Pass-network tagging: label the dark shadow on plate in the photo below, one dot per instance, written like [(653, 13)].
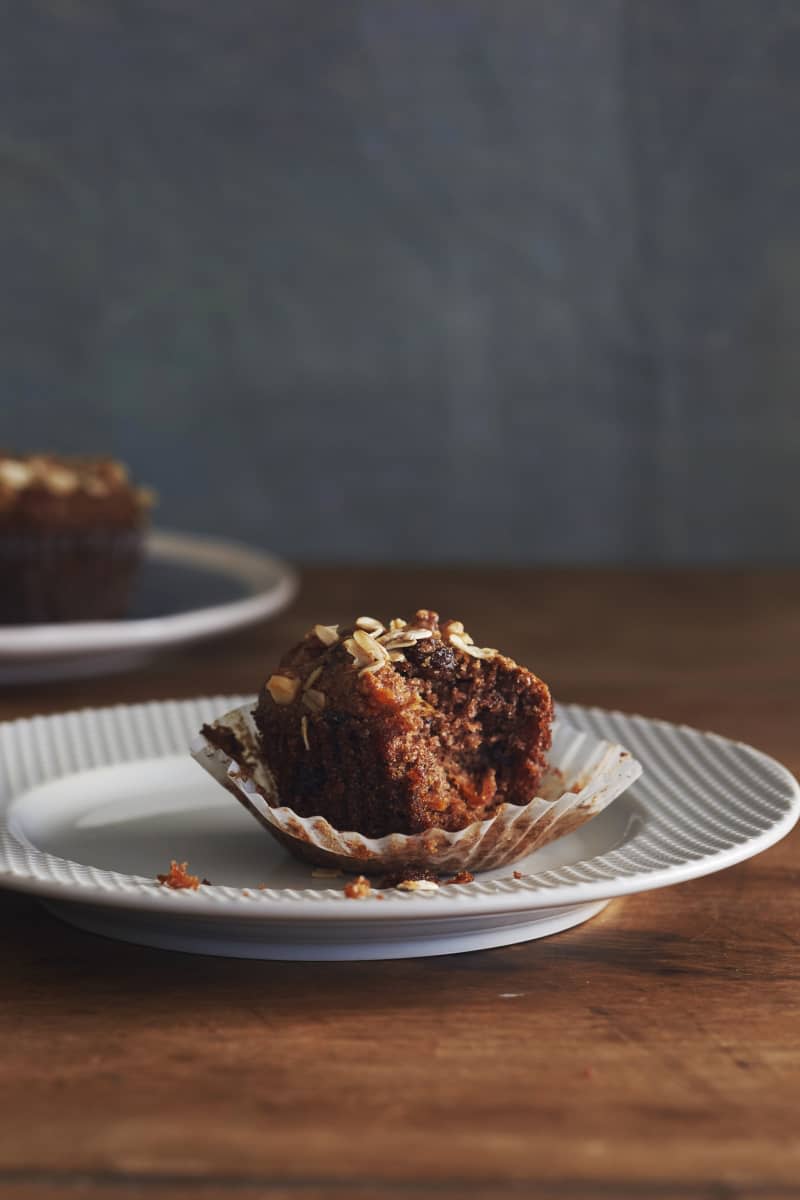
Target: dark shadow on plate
[(164, 588)]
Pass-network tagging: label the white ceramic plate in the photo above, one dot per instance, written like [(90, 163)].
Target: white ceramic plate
[(94, 804), (189, 588)]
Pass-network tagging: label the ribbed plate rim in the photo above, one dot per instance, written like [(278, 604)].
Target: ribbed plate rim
[(270, 583), (46, 875)]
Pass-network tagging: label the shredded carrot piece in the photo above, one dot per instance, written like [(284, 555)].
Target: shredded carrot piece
[(178, 877)]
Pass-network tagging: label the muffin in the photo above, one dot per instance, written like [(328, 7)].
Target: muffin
[(406, 748), (402, 729), (71, 536)]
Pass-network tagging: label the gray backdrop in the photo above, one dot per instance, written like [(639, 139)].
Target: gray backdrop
[(414, 279)]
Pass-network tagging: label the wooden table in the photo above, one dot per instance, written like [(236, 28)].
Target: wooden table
[(654, 1052)]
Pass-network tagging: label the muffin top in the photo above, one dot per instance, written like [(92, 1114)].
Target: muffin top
[(401, 727), (50, 492)]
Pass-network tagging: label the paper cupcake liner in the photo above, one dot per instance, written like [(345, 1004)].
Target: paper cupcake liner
[(69, 575), (584, 775)]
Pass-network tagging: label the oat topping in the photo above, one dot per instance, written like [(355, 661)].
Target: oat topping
[(482, 651), (401, 643), (369, 645), (312, 679), (372, 667), (147, 496), (370, 624), (362, 660), (314, 700), (460, 642), (15, 475), (62, 482), (282, 688), (96, 488), (457, 628), (95, 477), (372, 646), (368, 653), (327, 634), (404, 638)]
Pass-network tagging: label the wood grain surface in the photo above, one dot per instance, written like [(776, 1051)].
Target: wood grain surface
[(654, 1052)]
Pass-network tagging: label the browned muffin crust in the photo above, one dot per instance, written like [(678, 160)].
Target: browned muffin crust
[(61, 494), (402, 728)]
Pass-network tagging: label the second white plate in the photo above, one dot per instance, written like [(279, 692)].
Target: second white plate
[(190, 587)]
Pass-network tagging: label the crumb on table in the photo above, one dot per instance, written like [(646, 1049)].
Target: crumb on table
[(178, 877)]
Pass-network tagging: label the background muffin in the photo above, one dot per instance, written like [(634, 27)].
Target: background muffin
[(71, 533)]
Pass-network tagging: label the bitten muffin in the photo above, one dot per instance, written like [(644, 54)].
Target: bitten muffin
[(71, 533), (401, 728)]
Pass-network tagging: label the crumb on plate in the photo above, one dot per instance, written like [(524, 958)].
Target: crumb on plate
[(178, 877), (418, 885), (358, 888), (407, 873)]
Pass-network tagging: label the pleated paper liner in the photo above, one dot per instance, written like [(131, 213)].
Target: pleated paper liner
[(584, 775), (67, 576)]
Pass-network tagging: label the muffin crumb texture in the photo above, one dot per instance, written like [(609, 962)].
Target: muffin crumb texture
[(402, 726)]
